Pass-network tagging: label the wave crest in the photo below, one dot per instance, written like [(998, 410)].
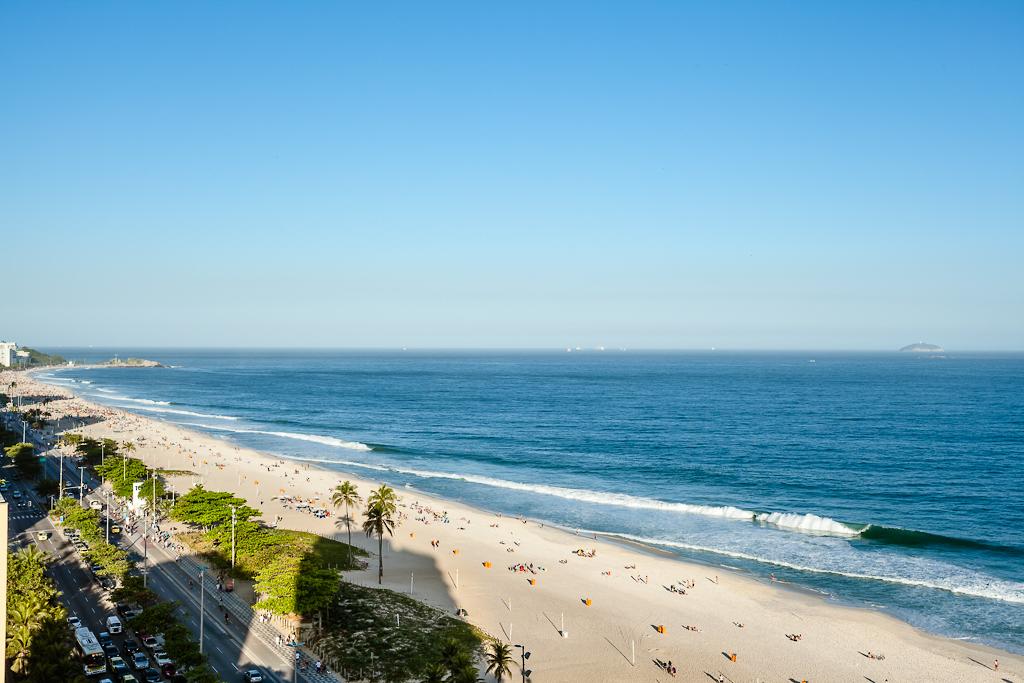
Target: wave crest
[(314, 438)]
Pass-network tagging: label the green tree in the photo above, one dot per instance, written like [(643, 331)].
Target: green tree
[(295, 585), (207, 509), (24, 457), (47, 487), (346, 494), (434, 673), (381, 507), (499, 659)]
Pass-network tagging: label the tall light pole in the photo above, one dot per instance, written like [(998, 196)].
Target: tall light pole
[(232, 536), (108, 517), (154, 497), (526, 655), (81, 485), (202, 609), (60, 474)]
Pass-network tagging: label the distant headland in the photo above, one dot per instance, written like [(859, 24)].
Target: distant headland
[(132, 363), (921, 347)]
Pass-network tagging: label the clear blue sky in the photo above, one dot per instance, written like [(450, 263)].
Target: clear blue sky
[(668, 175)]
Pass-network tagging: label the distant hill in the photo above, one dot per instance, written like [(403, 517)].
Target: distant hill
[(39, 358), (921, 347)]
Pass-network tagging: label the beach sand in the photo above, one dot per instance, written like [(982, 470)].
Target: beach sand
[(626, 604)]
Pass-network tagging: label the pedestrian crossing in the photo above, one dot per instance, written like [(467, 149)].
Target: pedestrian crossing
[(25, 515)]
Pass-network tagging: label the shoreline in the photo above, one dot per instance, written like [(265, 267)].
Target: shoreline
[(933, 657)]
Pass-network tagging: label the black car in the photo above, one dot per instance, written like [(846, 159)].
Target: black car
[(110, 650), (150, 675), (131, 647)]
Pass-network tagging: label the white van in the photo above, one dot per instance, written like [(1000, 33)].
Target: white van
[(114, 625)]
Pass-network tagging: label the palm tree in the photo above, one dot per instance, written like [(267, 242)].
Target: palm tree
[(27, 614), (30, 554), (499, 659), (126, 448), (381, 507), (435, 673), (346, 494), (19, 645), (465, 674)]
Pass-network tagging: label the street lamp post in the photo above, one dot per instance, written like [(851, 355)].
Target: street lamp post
[(202, 610), (108, 517), (525, 655), (232, 536), (81, 485)]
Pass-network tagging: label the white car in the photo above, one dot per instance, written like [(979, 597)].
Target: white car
[(95, 505), (74, 622), (162, 659)]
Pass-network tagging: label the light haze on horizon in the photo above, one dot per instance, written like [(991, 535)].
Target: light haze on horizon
[(643, 175)]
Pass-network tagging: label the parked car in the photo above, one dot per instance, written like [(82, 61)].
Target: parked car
[(118, 666), (139, 660), (153, 642)]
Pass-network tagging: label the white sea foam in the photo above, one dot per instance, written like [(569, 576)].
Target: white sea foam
[(314, 438), (979, 586), (186, 412), (105, 391), (804, 523), (145, 401), (807, 523)]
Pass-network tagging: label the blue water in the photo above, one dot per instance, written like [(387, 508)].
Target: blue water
[(885, 480)]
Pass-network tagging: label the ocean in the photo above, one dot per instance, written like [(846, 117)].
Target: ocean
[(889, 481)]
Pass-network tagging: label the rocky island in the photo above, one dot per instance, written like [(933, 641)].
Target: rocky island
[(921, 347)]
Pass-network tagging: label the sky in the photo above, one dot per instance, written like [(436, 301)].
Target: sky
[(782, 175)]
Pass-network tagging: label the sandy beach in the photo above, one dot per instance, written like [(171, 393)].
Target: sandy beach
[(612, 598)]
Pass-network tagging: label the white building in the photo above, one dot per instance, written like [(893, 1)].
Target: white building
[(8, 354)]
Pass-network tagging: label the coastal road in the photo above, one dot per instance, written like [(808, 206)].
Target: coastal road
[(230, 647)]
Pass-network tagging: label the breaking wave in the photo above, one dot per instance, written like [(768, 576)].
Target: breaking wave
[(175, 411), (984, 587), (314, 438)]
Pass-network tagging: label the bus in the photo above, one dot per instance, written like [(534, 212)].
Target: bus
[(94, 661)]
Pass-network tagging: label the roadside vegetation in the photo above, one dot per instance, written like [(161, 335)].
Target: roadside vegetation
[(378, 634), (38, 647), (23, 455), (121, 472), (294, 572), (112, 560)]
